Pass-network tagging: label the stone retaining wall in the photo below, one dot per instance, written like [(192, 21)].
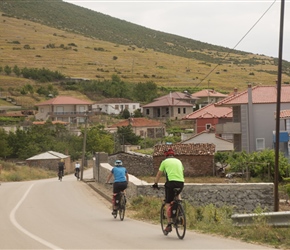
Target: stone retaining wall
[(242, 197)]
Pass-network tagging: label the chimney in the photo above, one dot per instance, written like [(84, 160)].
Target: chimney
[(235, 91)]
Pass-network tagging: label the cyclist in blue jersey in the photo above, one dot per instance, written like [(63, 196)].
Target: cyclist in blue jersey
[(121, 179), (174, 171)]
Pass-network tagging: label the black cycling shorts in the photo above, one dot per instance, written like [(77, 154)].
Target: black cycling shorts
[(169, 192), (119, 186)]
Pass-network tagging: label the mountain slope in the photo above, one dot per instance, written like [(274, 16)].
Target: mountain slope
[(82, 43)]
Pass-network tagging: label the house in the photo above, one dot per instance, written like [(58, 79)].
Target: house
[(206, 118), (210, 137), (167, 108), (185, 96), (114, 106), (49, 160), (142, 127), (254, 122), (64, 108), (207, 96)]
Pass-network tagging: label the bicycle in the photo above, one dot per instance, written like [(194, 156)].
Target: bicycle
[(119, 200), (177, 215), (60, 175)]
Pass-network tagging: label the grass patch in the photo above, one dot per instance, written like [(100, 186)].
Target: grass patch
[(11, 172), (212, 220)]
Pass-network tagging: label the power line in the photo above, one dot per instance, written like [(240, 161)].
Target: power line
[(238, 42)]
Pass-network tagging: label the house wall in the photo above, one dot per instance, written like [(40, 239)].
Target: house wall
[(169, 111), (51, 164), (110, 108), (201, 123), (220, 145), (264, 124)]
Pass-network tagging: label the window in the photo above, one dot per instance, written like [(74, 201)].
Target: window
[(260, 144), (126, 106), (207, 126), (116, 107), (184, 110), (41, 110), (178, 110), (134, 107), (147, 111)]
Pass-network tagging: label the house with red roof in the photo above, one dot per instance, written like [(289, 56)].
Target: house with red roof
[(63, 108), (207, 96), (206, 118), (142, 127), (254, 123), (168, 107)]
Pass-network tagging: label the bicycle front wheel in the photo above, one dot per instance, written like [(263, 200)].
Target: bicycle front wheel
[(163, 218), (122, 207), (180, 222)]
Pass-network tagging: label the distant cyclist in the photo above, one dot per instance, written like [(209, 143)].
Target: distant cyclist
[(61, 167), (121, 179), (174, 171), (77, 170)]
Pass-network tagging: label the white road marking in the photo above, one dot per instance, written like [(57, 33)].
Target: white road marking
[(16, 224)]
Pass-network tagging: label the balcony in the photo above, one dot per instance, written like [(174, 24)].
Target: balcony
[(68, 114), (228, 128)]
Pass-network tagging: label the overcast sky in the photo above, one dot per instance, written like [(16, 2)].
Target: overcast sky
[(251, 26)]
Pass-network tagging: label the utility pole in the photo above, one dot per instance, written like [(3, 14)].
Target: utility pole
[(276, 176), (84, 144)]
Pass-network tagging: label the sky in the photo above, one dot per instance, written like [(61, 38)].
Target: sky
[(246, 25)]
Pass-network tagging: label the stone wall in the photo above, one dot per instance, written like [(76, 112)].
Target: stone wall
[(136, 164), (242, 197), (194, 165)]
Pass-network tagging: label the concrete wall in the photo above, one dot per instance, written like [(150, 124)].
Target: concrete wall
[(242, 197)]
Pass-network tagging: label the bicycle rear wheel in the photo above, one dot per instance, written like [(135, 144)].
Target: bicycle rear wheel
[(163, 219), (180, 222), (122, 207)]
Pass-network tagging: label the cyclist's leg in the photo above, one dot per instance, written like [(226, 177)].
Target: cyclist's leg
[(169, 197)]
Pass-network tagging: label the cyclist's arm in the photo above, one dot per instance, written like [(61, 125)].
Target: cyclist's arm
[(127, 177), (158, 175), (109, 177)]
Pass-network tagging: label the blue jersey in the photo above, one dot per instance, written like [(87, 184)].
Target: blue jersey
[(119, 174)]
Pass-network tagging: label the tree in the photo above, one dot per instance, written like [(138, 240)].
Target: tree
[(127, 136), (7, 70), (99, 140), (16, 70), (6, 150), (125, 114), (145, 92)]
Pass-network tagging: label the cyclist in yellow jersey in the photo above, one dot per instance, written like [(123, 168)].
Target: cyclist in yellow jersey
[(174, 171)]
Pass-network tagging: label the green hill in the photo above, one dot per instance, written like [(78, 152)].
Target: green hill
[(86, 44)]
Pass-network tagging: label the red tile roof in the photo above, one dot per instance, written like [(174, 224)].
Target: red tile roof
[(137, 122), (208, 92), (284, 114), (166, 102), (64, 100), (210, 111), (260, 94)]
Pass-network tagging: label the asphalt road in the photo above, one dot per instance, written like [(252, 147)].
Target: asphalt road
[(49, 214)]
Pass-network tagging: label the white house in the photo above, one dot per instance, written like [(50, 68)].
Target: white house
[(114, 106)]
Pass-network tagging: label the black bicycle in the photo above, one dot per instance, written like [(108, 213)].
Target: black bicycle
[(120, 204), (177, 216)]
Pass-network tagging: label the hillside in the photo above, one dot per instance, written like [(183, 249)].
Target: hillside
[(47, 34)]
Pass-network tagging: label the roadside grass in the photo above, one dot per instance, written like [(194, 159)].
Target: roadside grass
[(216, 221), (11, 172)]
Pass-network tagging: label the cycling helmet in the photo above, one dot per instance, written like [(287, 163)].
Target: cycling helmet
[(118, 163), (169, 152)]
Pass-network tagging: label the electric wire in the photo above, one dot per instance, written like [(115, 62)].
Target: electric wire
[(238, 41)]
